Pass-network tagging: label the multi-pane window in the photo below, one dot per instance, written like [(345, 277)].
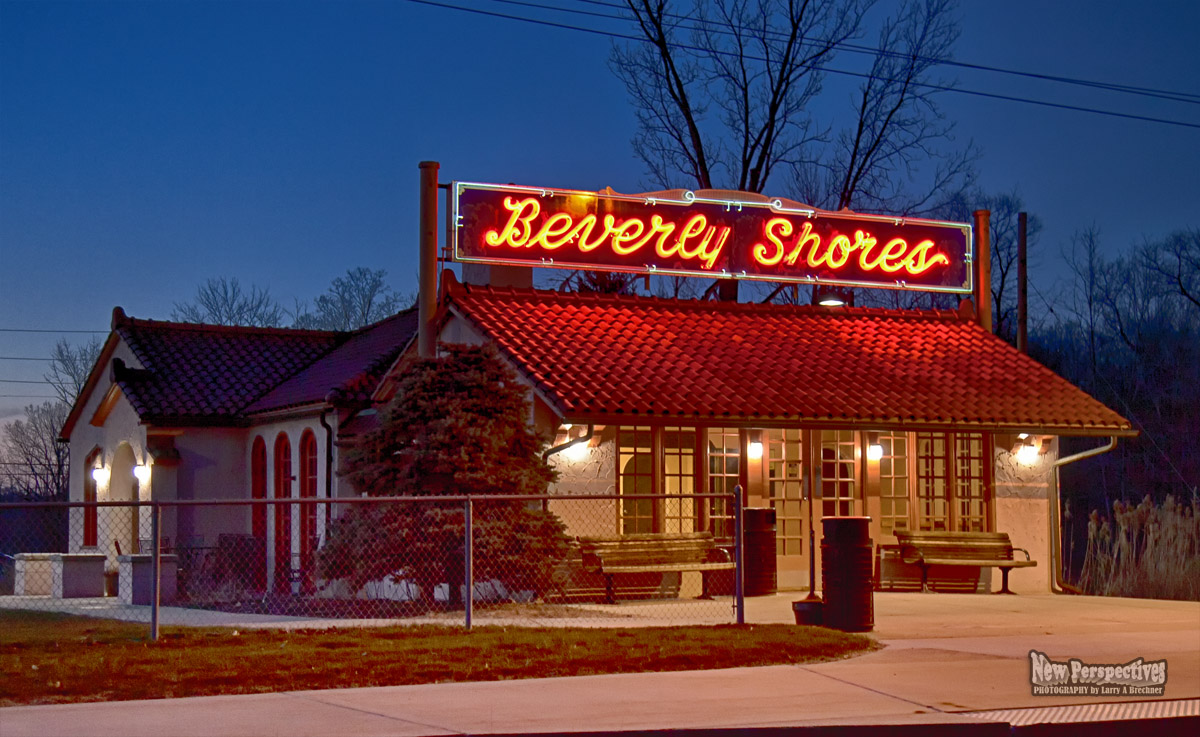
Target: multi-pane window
[(724, 474), (785, 488), (635, 459), (679, 477), (952, 481), (933, 483), (894, 483), (970, 482), (839, 473)]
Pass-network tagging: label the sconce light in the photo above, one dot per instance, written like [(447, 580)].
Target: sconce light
[(874, 447), (576, 452), (142, 472), (1027, 452), (754, 449), (100, 475)]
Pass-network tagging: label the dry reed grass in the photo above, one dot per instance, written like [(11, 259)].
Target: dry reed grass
[(1145, 551)]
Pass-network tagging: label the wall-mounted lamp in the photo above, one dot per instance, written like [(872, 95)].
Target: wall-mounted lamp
[(754, 449), (141, 472), (100, 475), (874, 447), (1029, 448), (576, 452)]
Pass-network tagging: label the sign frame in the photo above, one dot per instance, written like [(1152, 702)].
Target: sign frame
[(686, 199)]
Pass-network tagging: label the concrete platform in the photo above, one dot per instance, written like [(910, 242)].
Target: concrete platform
[(954, 664)]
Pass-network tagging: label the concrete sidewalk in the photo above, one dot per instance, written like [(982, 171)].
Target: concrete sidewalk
[(950, 660)]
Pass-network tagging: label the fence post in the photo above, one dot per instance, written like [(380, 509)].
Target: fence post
[(468, 561), (156, 568), (739, 557)]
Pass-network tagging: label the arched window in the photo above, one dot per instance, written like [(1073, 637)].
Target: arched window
[(258, 513), (90, 518), (308, 512), (283, 513)]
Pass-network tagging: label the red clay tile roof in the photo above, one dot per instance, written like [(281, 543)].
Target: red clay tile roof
[(206, 372), (609, 358), (348, 373)]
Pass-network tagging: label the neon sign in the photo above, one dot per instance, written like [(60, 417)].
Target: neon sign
[(690, 235)]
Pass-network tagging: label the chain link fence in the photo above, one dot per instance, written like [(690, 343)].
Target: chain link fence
[(532, 560)]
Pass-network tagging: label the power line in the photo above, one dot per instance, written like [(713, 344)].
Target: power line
[(863, 75), (23, 381), (698, 24), (27, 396), (39, 330), (23, 358)]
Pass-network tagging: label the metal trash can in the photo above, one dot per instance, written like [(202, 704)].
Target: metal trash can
[(846, 573), (760, 575)]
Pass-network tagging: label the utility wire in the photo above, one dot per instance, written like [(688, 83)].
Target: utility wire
[(699, 24), (831, 70), (37, 330), (22, 381), (27, 396), (23, 358)]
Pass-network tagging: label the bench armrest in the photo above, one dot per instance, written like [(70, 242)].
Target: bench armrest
[(911, 554), (719, 555), (1023, 550)]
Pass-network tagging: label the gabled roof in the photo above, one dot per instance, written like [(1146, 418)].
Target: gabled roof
[(193, 374), (348, 373), (613, 358)]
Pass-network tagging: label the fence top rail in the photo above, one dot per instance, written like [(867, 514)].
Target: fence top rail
[(431, 499)]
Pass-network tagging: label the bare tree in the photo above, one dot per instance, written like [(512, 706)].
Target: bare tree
[(35, 464), (355, 300), (70, 366), (898, 154), (222, 301), (756, 61), (1177, 261)]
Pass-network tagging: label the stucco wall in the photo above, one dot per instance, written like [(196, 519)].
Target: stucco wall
[(120, 427), (1022, 495), (594, 473)]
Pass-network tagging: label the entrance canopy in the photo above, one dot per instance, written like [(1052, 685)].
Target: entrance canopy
[(617, 359)]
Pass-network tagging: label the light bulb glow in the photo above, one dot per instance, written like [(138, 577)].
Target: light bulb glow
[(100, 475), (874, 452), (1027, 454), (576, 452), (142, 473), (754, 449)]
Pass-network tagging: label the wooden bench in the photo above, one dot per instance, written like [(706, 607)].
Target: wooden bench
[(979, 549), (652, 553)]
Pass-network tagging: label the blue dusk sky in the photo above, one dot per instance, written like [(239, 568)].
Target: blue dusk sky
[(148, 146)]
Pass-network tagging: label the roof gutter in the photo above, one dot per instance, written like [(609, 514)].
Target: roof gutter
[(1058, 585)]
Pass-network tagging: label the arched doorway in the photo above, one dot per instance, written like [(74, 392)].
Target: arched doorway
[(258, 513), (283, 515), (308, 512), (119, 527)]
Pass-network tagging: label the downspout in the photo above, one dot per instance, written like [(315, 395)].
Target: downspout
[(1058, 586), (591, 429)]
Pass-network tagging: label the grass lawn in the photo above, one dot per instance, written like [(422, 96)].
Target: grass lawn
[(56, 658)]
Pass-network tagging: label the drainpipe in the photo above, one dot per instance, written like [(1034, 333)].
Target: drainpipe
[(591, 430), (1059, 586)]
